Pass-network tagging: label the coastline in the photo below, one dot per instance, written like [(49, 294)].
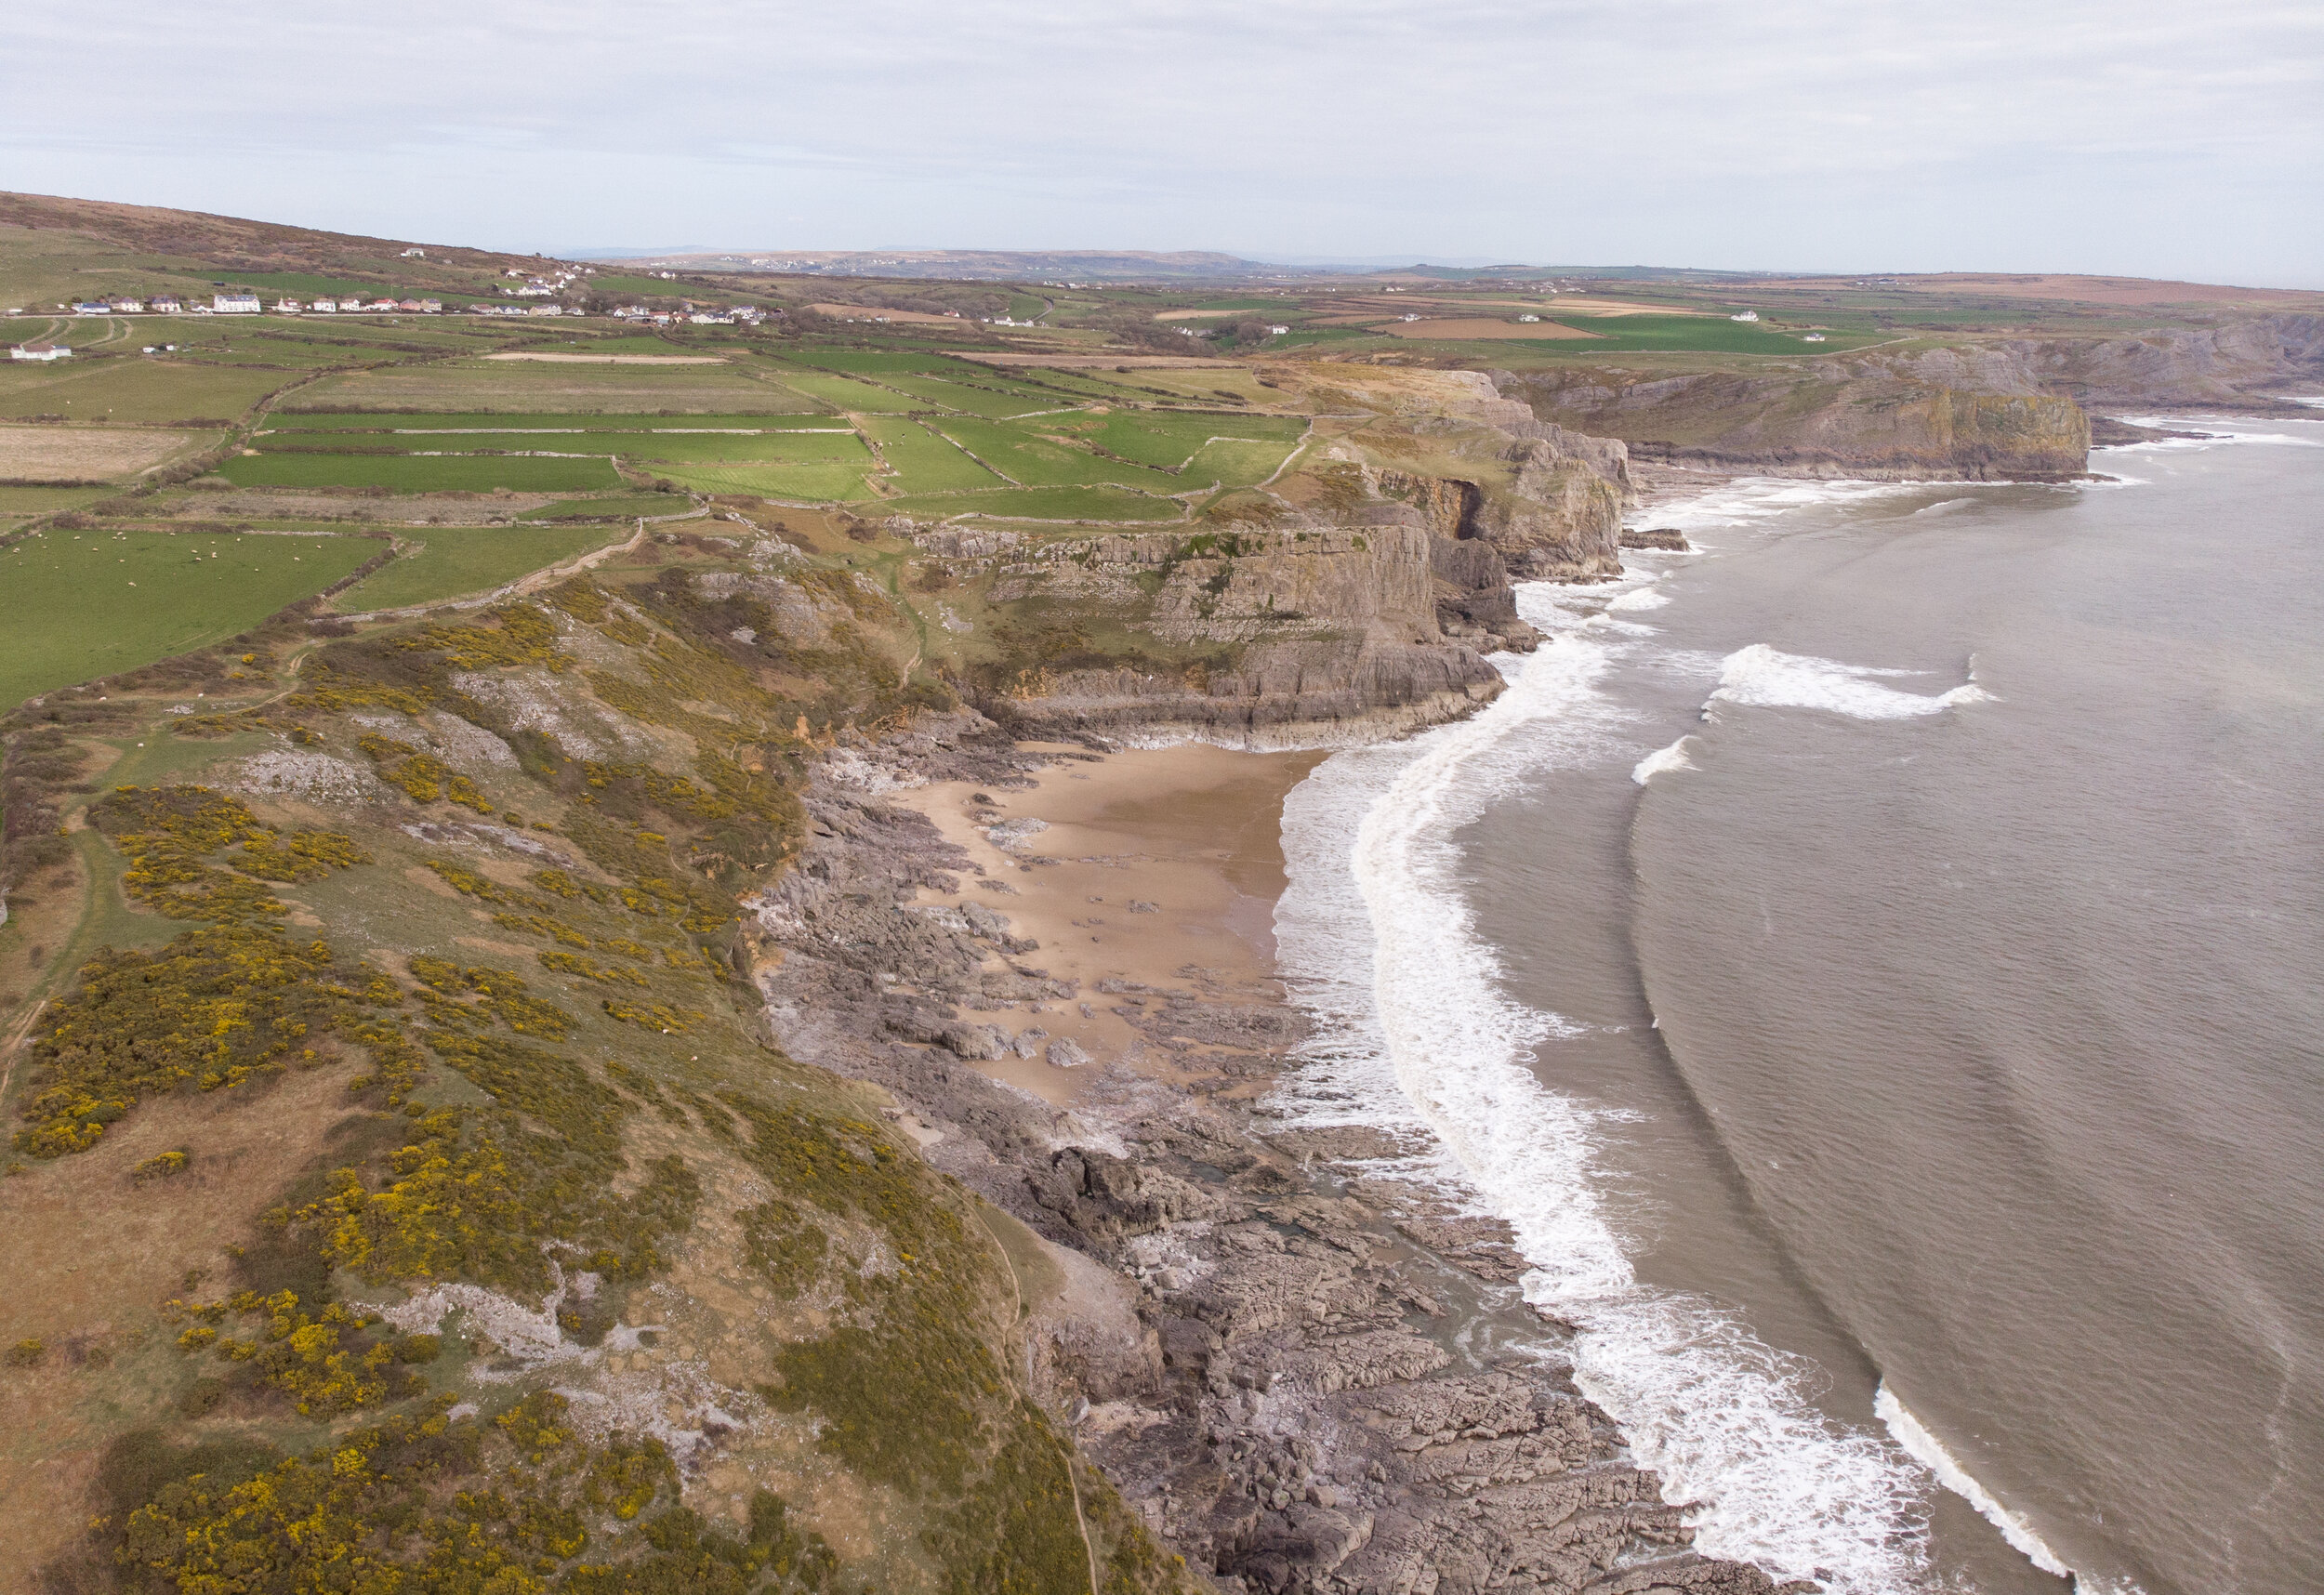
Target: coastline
[(1303, 1363)]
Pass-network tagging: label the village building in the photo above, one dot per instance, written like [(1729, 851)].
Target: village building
[(234, 304), (287, 307), (128, 306), (1528, 316), (40, 351), (1744, 316), (415, 255), (325, 307), (166, 305), (92, 307), (1813, 337)]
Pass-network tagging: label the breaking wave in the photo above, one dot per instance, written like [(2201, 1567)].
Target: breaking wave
[(1662, 759), (1914, 1436), (1413, 1035), (1761, 676)]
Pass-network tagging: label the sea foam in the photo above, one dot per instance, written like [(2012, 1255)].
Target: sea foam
[(1762, 678), (1414, 1036)]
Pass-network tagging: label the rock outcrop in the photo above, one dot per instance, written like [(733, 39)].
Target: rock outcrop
[(1975, 415), (1292, 635), (2243, 364)]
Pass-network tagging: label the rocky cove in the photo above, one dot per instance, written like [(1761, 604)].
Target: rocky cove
[(1303, 1371)]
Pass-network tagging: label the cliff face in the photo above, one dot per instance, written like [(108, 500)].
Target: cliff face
[(2242, 363), (1291, 636), (1554, 513), (1979, 414)]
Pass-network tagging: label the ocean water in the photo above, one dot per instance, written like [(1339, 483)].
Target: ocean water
[(1876, 963)]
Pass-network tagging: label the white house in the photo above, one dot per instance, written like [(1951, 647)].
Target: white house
[(1407, 316), (1277, 332), (234, 304), (92, 307), (1813, 337), (1744, 316), (325, 307), (545, 310), (1528, 316), (431, 306), (415, 255), (166, 305), (287, 307), (128, 306), (39, 352)]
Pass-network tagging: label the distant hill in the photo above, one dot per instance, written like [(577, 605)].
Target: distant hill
[(234, 244), (980, 265)]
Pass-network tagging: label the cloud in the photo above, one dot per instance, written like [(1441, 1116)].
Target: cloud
[(2137, 135)]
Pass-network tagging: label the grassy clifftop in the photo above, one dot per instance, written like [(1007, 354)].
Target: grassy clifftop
[(438, 1217)]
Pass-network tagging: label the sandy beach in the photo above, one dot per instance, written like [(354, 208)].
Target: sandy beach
[(1139, 874)]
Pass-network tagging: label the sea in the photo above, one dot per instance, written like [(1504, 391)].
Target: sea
[(1875, 963)]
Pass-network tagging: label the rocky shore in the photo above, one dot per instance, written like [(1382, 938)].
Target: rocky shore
[(1305, 1372)]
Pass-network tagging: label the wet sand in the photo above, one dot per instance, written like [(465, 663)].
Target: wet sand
[(1155, 867)]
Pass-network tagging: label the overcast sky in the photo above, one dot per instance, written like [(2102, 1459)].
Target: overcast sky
[(2159, 138)]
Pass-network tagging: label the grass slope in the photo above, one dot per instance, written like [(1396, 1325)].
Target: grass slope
[(448, 561)]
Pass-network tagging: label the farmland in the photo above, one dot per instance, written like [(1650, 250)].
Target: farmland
[(1031, 460), (447, 561), (90, 453), (535, 388), (146, 391), (397, 421), (922, 461), (422, 473), (77, 605), (1042, 504), (792, 483)]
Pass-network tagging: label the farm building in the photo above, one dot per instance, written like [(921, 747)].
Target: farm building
[(1744, 316), (40, 351)]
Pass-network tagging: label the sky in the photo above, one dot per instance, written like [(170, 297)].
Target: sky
[(2149, 138)]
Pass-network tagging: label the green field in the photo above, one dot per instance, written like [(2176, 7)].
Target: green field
[(624, 507), (799, 483), (787, 448), (845, 393), (528, 388), (1033, 461), (922, 461), (453, 560), (1237, 462), (133, 388), (1042, 504), (422, 473), (73, 607), (1714, 334), (1172, 442), (549, 421), (993, 402), (23, 503)]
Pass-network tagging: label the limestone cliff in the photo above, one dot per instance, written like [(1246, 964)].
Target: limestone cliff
[(2242, 362), (1297, 635), (1975, 415)]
